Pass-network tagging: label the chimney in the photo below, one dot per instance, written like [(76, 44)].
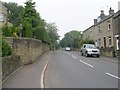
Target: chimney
[(95, 21), (102, 16), (111, 11), (102, 12)]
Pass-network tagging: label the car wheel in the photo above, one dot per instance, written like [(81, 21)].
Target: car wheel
[(86, 54), (98, 56), (81, 54)]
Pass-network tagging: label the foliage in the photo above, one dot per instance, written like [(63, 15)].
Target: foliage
[(72, 39), (28, 30), (15, 12), (41, 34), (87, 41), (52, 33), (28, 23), (6, 49), (28, 17), (10, 31)]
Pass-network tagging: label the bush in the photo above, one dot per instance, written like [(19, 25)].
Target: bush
[(10, 31), (6, 49), (28, 30), (6, 31), (87, 41)]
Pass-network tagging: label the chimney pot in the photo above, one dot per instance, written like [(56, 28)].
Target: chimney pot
[(111, 11), (95, 21), (102, 11)]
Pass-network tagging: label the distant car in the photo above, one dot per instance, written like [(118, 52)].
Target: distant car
[(89, 50), (67, 49)]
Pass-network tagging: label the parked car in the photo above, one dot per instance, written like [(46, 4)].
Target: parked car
[(67, 49), (89, 50)]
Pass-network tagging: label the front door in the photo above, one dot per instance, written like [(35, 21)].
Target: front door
[(104, 42)]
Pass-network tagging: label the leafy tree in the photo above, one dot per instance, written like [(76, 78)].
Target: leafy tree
[(15, 12), (29, 16), (72, 39), (52, 33), (41, 34), (87, 41), (28, 30), (32, 25)]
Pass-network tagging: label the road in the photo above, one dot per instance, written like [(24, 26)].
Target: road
[(67, 70)]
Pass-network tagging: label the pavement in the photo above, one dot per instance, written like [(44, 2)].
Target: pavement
[(66, 70), (29, 76)]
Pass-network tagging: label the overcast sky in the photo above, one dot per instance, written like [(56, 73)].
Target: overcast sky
[(71, 14)]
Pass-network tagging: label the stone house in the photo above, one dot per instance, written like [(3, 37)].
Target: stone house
[(116, 26), (102, 32), (89, 33), (3, 14)]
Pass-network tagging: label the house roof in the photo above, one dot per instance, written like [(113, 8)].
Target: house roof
[(116, 14), (88, 28)]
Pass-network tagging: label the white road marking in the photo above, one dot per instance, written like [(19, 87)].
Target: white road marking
[(43, 73), (86, 63), (112, 75), (73, 56)]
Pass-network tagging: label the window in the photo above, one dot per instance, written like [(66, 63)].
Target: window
[(109, 26), (110, 40), (99, 42), (91, 33), (99, 31), (1, 17)]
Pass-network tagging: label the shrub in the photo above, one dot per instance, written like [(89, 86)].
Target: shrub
[(87, 41), (6, 49), (10, 31)]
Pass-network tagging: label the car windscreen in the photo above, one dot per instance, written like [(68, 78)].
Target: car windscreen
[(90, 46)]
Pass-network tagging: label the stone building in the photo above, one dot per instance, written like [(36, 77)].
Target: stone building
[(102, 32), (91, 34), (3, 15), (116, 26)]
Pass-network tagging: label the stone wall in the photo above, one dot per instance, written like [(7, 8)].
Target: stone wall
[(9, 65), (108, 52), (28, 49)]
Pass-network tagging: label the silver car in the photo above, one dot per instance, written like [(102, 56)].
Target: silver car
[(89, 50)]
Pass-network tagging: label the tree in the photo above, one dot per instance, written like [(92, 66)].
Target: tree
[(52, 33), (72, 39), (29, 18), (87, 41), (15, 12), (30, 23)]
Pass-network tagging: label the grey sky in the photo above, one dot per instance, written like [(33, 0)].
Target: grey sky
[(71, 14)]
